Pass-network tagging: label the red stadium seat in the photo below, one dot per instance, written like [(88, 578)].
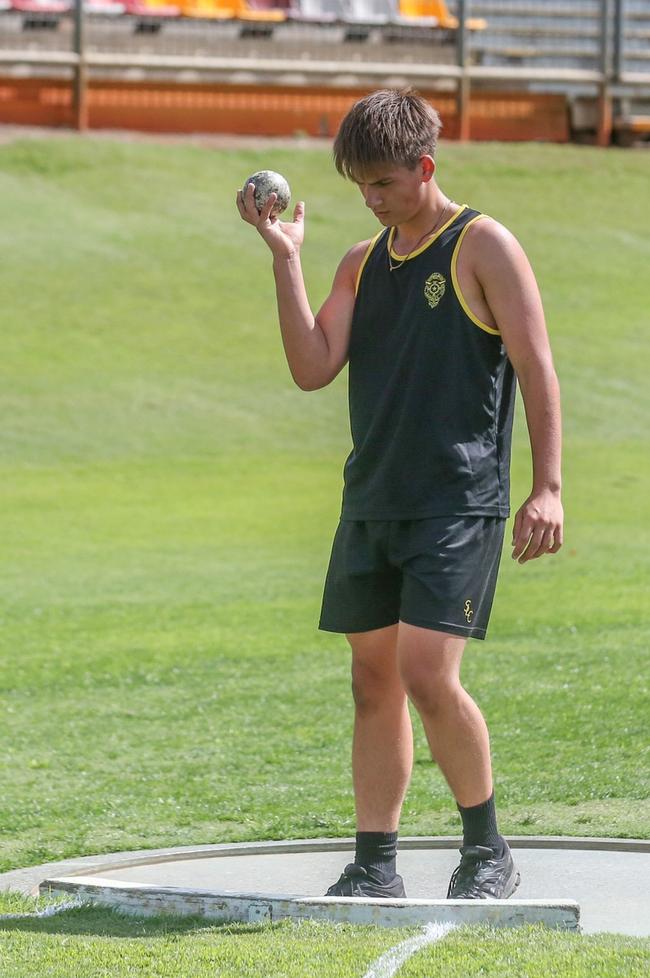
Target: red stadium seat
[(42, 6)]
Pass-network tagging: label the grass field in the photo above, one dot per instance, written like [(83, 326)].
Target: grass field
[(168, 502)]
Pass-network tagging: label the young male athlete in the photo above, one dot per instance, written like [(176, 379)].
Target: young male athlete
[(435, 316)]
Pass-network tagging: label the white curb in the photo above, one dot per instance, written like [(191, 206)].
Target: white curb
[(149, 899)]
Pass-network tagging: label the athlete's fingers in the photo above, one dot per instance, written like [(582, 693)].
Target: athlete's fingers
[(248, 196), (246, 204), (521, 549), (557, 540), (538, 545), (521, 546), (299, 212), (516, 526), (522, 537), (265, 213)]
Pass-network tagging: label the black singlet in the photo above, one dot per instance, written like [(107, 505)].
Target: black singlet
[(431, 390)]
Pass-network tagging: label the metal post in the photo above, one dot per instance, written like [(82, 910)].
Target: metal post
[(463, 94), (619, 28), (80, 100), (604, 131)]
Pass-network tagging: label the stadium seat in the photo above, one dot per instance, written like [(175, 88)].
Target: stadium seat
[(426, 13), (106, 8), (318, 11), (151, 9), (41, 14), (41, 6), (209, 9), (435, 13), (371, 12), (260, 11)]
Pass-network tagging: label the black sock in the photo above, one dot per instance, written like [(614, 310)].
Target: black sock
[(480, 826), (377, 853)]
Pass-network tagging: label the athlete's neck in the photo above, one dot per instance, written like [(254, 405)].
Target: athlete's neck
[(430, 218)]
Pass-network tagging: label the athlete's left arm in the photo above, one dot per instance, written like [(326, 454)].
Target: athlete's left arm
[(507, 281)]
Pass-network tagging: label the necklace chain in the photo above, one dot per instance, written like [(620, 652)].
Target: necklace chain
[(394, 268)]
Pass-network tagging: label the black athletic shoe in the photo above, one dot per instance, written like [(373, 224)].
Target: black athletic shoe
[(354, 882), (482, 875)]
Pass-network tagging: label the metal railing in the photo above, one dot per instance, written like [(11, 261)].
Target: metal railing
[(594, 46)]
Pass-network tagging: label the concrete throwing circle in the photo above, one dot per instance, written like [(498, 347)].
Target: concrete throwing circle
[(564, 880)]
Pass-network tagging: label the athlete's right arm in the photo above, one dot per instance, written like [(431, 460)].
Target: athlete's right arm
[(316, 347)]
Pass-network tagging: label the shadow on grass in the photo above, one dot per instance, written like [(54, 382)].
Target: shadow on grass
[(101, 922)]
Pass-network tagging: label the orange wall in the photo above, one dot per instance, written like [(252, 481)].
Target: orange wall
[(256, 110)]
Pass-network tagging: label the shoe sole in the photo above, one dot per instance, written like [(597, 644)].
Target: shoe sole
[(513, 883), (371, 896)]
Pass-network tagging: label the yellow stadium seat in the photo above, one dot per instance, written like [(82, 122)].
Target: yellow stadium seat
[(209, 9), (436, 10), (428, 9)]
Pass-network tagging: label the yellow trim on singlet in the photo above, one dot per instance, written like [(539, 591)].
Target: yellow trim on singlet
[(366, 257), (454, 279), (418, 251)]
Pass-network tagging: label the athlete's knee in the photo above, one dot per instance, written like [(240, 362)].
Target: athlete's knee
[(430, 692), (429, 667), (375, 686)]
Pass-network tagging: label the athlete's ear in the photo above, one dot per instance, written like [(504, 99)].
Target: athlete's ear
[(428, 165)]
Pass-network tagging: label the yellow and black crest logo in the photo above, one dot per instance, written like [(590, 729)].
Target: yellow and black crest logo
[(434, 289)]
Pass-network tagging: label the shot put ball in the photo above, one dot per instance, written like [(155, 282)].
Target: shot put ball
[(269, 182)]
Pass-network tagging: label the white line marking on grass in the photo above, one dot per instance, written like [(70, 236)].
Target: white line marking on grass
[(391, 961), (50, 911)]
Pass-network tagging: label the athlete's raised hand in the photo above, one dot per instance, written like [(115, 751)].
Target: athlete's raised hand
[(284, 238)]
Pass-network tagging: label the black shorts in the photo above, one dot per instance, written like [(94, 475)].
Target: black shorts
[(437, 573)]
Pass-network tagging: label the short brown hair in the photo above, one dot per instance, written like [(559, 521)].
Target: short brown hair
[(389, 126)]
